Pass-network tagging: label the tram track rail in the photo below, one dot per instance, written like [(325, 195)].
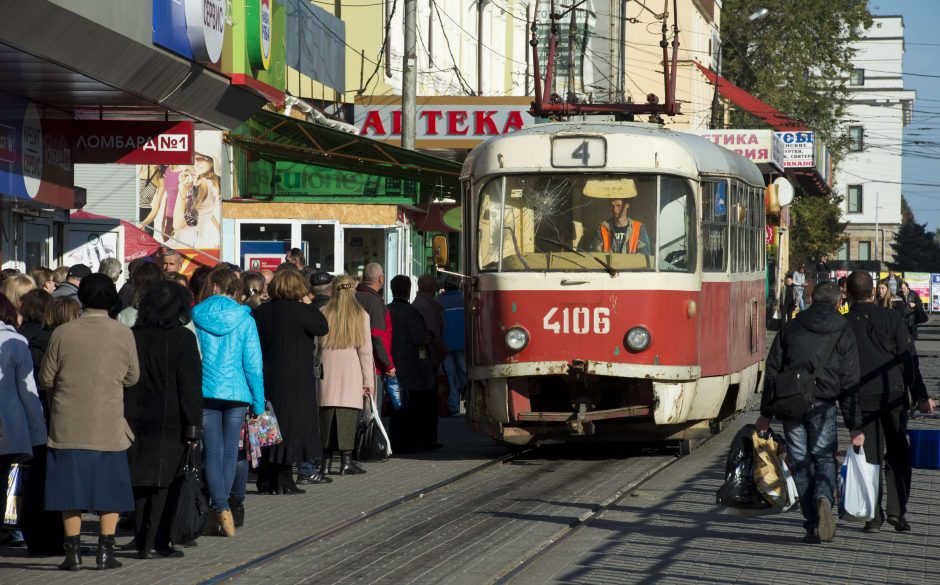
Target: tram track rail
[(361, 517)]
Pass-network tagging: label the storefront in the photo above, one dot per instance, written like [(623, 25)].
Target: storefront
[(343, 199)]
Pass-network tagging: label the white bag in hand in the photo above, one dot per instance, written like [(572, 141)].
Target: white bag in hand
[(793, 493), (858, 484)]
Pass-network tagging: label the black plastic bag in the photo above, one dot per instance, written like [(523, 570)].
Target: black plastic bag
[(372, 442), (189, 502), (739, 489)]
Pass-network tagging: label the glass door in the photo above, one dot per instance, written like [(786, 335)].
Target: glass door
[(37, 245)]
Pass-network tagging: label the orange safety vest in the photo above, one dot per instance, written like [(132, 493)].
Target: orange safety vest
[(634, 237)]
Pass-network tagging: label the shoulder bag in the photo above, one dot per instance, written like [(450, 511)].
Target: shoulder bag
[(793, 391)]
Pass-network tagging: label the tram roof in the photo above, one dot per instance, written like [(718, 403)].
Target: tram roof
[(651, 148)]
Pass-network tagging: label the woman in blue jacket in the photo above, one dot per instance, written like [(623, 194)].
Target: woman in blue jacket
[(231, 383)]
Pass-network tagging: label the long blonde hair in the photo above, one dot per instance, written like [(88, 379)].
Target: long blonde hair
[(344, 315)]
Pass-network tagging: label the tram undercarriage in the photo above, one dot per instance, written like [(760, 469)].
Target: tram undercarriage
[(572, 407)]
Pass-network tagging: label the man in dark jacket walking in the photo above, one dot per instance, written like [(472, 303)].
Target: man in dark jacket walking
[(887, 373), (811, 440)]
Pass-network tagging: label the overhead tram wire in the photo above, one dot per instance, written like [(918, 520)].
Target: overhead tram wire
[(450, 51)]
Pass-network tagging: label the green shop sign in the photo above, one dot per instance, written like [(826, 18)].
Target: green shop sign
[(258, 14), (291, 179)]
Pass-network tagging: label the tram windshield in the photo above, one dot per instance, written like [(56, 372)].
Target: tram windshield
[(586, 223)]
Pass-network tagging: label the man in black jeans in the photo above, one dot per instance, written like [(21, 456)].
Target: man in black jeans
[(817, 342), (887, 374)]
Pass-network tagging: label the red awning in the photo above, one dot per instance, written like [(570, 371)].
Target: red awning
[(431, 218), (747, 102), (137, 243)]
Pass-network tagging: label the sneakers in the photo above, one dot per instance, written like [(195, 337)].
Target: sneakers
[(827, 522), (900, 523), (812, 536)]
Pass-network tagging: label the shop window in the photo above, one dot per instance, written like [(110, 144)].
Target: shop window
[(856, 138), (857, 77), (263, 244), (855, 199), (864, 250)]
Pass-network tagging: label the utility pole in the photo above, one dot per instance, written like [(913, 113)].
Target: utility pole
[(409, 81), (621, 82)]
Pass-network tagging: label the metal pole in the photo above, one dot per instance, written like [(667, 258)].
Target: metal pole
[(622, 49), (409, 85), (877, 256)]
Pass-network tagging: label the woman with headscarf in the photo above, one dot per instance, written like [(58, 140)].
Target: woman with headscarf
[(88, 435)]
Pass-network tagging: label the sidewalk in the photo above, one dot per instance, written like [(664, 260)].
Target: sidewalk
[(672, 531), (272, 521)]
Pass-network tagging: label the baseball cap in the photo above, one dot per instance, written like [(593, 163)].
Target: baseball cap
[(78, 271), (320, 278)]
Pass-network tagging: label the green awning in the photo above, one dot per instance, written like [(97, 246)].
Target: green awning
[(279, 137)]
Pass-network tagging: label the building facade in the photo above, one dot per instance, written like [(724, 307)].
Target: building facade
[(869, 178)]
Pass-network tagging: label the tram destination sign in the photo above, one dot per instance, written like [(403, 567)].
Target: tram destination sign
[(128, 142)]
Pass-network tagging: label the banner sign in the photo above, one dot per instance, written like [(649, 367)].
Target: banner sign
[(35, 159), (934, 293), (444, 122), (194, 29), (128, 142), (919, 283), (760, 146), (799, 149), (300, 179)]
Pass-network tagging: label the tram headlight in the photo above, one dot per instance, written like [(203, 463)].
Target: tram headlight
[(637, 339), (516, 338)]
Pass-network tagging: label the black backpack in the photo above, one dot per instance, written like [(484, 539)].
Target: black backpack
[(793, 392)]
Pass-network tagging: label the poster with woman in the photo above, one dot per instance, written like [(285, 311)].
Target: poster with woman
[(181, 204)]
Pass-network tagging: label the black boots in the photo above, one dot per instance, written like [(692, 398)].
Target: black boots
[(105, 558), (73, 554), (238, 511), (347, 466)]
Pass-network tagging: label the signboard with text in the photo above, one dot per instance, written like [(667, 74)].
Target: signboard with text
[(194, 29), (760, 146), (127, 141), (444, 122), (799, 149), (934, 293)]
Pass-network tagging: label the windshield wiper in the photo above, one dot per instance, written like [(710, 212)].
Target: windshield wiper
[(610, 269)]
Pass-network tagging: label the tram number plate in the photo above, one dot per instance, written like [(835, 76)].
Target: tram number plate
[(579, 152), (577, 320)]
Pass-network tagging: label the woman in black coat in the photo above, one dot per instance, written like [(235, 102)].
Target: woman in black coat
[(288, 329), (413, 428), (164, 410)]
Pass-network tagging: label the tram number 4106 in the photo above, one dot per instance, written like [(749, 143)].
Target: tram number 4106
[(577, 320)]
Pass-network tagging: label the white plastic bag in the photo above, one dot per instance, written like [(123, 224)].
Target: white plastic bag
[(858, 485), (793, 493)]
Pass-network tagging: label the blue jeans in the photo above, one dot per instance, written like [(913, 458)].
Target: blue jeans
[(812, 444), (455, 364), (222, 422), (799, 297), (240, 483)]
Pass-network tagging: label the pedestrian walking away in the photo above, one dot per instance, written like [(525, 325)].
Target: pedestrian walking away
[(889, 380), (455, 364), (380, 324), (820, 346), (799, 286)]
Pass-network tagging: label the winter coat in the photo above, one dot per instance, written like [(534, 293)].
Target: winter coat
[(87, 366), (288, 331), (455, 337), (164, 408), (231, 352), (21, 421), (800, 345), (432, 311), (380, 325), (410, 338), (885, 356), (346, 372)]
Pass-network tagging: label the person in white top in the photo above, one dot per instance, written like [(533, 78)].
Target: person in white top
[(799, 285)]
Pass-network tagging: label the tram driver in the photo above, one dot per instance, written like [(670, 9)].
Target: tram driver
[(619, 233)]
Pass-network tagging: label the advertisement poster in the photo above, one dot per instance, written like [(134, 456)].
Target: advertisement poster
[(262, 261), (919, 283), (90, 247), (934, 293), (181, 205)]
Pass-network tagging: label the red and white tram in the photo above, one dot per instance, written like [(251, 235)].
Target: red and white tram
[(617, 283)]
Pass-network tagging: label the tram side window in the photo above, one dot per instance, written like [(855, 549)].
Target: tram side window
[(714, 226), (676, 252)]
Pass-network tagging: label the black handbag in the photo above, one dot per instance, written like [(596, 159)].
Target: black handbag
[(920, 315), (793, 392), (190, 502), (372, 442)]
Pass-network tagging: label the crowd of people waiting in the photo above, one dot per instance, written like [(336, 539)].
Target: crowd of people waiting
[(103, 392)]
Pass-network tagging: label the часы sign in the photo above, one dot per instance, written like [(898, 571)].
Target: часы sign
[(258, 13)]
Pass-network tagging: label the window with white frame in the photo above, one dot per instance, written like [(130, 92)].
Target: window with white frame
[(854, 203)]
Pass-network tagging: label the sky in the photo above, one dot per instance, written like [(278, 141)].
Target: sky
[(922, 48)]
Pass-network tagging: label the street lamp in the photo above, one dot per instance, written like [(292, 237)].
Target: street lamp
[(759, 13)]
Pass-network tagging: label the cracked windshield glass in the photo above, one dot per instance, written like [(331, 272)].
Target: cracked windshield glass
[(578, 223)]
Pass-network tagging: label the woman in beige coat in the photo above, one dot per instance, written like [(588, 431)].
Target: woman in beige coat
[(348, 374)]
